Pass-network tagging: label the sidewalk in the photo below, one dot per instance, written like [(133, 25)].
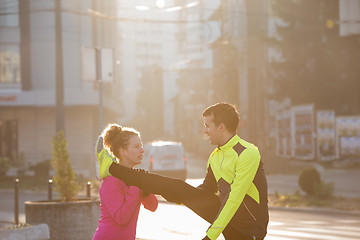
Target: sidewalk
[(346, 182)]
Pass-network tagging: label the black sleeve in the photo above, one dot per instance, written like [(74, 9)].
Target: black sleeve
[(209, 183)]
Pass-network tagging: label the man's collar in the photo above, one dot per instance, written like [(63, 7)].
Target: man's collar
[(228, 143)]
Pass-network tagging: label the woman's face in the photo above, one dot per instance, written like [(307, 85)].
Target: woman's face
[(133, 154)]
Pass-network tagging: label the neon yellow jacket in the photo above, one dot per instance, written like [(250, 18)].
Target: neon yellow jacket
[(240, 179)]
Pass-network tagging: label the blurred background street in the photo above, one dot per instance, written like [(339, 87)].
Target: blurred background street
[(291, 67)]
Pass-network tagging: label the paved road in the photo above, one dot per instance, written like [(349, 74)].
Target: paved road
[(177, 222), (7, 204), (171, 221), (313, 225)]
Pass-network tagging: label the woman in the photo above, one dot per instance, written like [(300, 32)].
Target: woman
[(119, 203)]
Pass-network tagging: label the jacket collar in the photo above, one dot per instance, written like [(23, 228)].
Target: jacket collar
[(230, 143)]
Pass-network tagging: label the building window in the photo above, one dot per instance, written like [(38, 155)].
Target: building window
[(9, 139), (9, 16), (9, 53), (9, 66)]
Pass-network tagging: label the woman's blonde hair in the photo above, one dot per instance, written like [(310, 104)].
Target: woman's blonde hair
[(116, 136)]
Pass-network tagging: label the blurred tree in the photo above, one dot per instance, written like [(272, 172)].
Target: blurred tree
[(5, 165), (149, 119), (193, 96), (316, 65), (64, 178), (225, 76)]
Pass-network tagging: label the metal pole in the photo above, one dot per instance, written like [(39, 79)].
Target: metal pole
[(16, 201), (100, 82), (50, 190), (60, 111), (101, 105), (88, 187)]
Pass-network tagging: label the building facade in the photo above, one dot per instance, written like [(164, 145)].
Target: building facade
[(29, 80)]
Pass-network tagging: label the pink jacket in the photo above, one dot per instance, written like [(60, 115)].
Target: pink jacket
[(120, 206)]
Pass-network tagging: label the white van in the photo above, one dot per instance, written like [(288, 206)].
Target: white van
[(166, 158)]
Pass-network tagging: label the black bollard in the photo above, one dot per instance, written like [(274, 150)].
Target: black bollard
[(50, 190), (88, 191), (16, 202)]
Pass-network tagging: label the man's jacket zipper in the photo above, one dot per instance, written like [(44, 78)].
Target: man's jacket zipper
[(249, 212), (222, 162)]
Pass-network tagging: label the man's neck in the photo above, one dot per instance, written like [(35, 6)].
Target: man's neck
[(226, 138)]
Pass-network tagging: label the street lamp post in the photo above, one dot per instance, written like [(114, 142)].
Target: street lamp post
[(60, 113), (100, 86)]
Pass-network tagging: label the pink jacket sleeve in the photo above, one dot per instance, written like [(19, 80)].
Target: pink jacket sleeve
[(150, 202), (119, 203)]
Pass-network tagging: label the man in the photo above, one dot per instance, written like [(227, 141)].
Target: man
[(233, 196)]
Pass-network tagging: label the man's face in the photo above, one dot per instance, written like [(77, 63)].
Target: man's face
[(212, 130)]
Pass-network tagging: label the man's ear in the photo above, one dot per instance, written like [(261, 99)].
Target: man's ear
[(121, 151), (222, 126)]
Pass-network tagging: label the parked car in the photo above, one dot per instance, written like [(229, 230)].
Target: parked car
[(166, 158)]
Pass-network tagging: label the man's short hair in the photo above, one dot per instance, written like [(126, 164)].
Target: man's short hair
[(224, 113)]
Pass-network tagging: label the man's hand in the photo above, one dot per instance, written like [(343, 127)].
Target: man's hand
[(206, 238)]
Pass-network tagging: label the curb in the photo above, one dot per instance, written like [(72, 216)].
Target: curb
[(316, 210), (36, 232)]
